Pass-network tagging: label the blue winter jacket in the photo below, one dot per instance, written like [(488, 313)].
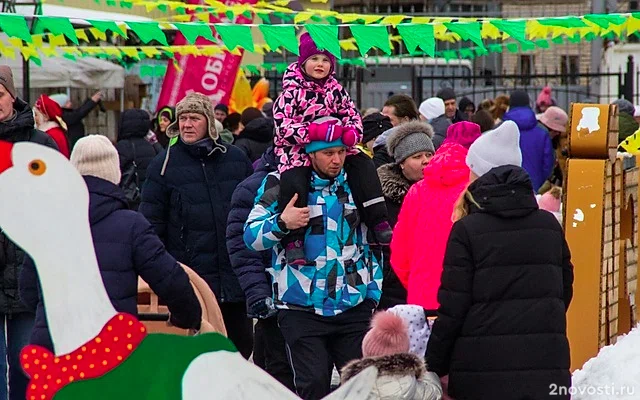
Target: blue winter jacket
[(250, 266), (188, 207), (126, 247), (343, 272), (538, 157)]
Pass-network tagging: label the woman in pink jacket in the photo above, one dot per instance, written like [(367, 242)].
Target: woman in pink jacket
[(421, 234)]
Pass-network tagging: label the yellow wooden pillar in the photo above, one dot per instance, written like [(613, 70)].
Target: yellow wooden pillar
[(592, 147)]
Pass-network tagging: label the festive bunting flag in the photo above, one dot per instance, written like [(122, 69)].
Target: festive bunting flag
[(15, 26), (325, 37), (370, 36), (104, 26), (515, 29), (280, 35), (192, 32), (148, 31), (236, 36), (415, 36), (57, 26), (467, 31)]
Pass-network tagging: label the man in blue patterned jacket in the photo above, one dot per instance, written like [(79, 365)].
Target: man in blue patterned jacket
[(325, 306)]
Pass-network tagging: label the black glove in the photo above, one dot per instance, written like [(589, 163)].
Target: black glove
[(262, 309)]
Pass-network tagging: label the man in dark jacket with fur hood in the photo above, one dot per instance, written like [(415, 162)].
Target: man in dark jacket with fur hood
[(187, 198), (16, 125)]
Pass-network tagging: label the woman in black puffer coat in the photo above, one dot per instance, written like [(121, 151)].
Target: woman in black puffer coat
[(506, 285), (134, 150)]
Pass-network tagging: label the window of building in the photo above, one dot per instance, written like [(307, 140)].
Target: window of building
[(526, 68), (569, 70)]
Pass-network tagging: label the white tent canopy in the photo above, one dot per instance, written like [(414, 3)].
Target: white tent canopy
[(58, 72)]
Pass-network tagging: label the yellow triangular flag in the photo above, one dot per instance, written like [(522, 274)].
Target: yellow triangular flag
[(112, 51), (370, 19), (82, 34), (202, 16), (346, 18), (28, 52), (37, 41), (16, 43), (130, 52), (9, 52), (393, 20), (302, 17), (57, 40), (150, 51), (348, 45), (536, 30), (49, 51), (489, 31), (98, 34), (420, 20), (632, 25), (181, 18), (281, 3)]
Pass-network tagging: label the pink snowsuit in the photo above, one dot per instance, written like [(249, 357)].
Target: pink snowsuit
[(424, 224), (303, 101)]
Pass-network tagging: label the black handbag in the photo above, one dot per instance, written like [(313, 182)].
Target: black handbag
[(130, 182)]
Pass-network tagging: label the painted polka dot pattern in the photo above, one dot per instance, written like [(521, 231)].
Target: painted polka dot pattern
[(48, 373)]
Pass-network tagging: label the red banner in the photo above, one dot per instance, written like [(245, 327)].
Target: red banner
[(211, 76)]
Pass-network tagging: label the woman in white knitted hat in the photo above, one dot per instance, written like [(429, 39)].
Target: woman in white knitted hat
[(126, 247), (506, 284)]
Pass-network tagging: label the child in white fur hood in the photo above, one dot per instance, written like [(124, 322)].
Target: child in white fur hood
[(402, 375)]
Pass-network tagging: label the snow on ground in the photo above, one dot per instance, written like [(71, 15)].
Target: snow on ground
[(614, 374)]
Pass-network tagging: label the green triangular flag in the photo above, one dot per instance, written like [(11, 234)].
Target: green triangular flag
[(467, 31), (58, 26), (280, 35), (604, 20), (70, 56), (192, 31), (111, 3), (230, 15), (527, 46), (281, 67), (325, 37), (126, 4), (515, 29), (495, 48), (236, 35), (146, 71), (481, 51), (148, 31), (15, 26), (253, 69), (418, 35), (513, 48), (449, 54), (466, 53), (566, 22), (558, 40), (369, 36), (542, 43), (104, 26)]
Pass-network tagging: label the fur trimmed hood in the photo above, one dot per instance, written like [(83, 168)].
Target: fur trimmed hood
[(401, 131), (401, 364), (394, 185)]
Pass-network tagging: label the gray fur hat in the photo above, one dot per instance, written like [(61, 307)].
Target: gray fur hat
[(410, 138), (196, 103)]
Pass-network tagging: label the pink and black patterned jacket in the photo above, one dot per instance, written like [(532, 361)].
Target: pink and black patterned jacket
[(303, 101)]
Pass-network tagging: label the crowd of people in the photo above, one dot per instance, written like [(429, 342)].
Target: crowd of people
[(422, 239)]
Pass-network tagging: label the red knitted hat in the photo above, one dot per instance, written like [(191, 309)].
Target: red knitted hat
[(389, 334)]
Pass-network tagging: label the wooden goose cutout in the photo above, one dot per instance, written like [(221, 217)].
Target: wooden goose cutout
[(100, 353)]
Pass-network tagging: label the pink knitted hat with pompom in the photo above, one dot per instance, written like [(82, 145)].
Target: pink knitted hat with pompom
[(389, 334)]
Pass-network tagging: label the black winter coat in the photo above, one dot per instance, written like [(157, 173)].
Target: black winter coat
[(134, 126), (18, 129), (189, 206), (506, 286), (126, 247), (394, 187), (73, 119), (250, 266), (256, 138)]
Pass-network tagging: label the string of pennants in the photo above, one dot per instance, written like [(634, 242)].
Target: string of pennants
[(417, 37)]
